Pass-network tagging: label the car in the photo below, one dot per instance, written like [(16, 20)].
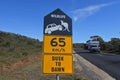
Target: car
[(53, 27)]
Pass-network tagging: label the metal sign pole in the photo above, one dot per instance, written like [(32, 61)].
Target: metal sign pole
[(57, 77)]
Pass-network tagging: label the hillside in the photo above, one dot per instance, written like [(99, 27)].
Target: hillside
[(21, 59), (15, 47)]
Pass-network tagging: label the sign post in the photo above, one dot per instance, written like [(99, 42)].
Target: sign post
[(57, 44), (57, 77)]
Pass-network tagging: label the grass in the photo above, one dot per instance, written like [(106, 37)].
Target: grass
[(34, 72), (15, 48)]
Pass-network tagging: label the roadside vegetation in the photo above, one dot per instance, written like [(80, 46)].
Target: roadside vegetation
[(34, 72), (21, 59), (15, 47), (112, 46)]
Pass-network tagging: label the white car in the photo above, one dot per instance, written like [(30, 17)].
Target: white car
[(53, 27)]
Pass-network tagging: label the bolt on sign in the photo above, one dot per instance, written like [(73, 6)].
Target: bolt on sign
[(57, 44)]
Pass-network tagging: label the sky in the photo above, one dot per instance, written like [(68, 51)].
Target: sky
[(89, 17)]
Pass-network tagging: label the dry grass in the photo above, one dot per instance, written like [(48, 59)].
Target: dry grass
[(34, 72)]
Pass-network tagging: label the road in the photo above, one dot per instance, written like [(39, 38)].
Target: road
[(110, 63)]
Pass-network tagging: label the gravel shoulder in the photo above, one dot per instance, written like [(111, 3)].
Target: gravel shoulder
[(90, 71)]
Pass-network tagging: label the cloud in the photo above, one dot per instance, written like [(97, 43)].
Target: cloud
[(88, 11)]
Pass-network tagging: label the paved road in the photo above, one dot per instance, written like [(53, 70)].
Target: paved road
[(110, 63)]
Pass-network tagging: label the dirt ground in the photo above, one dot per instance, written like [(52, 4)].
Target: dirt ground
[(31, 69)]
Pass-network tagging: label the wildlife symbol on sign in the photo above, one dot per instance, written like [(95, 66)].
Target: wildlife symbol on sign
[(53, 27)]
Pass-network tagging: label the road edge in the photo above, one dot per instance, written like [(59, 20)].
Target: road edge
[(91, 71)]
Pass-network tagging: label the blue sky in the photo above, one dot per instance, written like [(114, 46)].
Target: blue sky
[(89, 17)]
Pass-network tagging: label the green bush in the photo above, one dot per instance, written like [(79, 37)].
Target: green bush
[(15, 47)]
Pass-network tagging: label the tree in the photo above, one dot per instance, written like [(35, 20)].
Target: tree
[(116, 44), (108, 47)]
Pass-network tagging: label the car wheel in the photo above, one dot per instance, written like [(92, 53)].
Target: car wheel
[(49, 32), (60, 28)]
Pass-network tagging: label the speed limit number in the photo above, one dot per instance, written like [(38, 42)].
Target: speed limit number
[(57, 44)]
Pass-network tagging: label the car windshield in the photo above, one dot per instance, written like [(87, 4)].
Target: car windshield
[(53, 25), (49, 26), (93, 46)]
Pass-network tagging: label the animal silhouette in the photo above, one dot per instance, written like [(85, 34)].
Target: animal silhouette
[(65, 24)]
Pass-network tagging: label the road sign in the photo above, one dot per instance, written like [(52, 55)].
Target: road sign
[(57, 23), (57, 64), (57, 44)]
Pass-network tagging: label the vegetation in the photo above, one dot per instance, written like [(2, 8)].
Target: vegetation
[(79, 45), (34, 72), (112, 46), (15, 47)]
